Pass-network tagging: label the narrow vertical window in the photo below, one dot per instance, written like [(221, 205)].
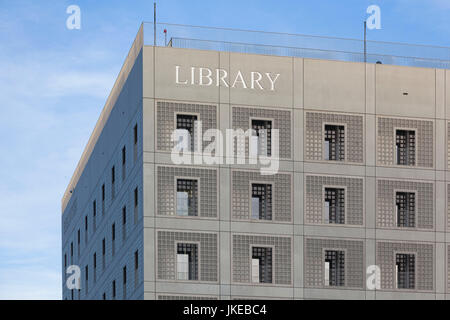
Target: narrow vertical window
[(261, 265), (94, 215), (405, 207), (261, 201), (136, 268), (405, 142), (124, 163), (334, 144), (135, 142), (334, 205), (136, 205), (103, 254), (114, 289), (187, 195), (71, 253), (113, 237), (86, 231), (94, 263), (113, 182), (334, 268), (405, 270), (78, 242), (86, 286), (124, 281), (103, 199), (124, 224)]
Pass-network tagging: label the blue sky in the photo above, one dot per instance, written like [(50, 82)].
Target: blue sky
[(54, 83)]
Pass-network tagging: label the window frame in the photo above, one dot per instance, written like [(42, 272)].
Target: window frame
[(333, 186), (251, 264), (324, 255), (187, 113), (251, 119), (332, 123), (415, 254), (415, 206), (176, 178), (251, 182), (198, 258), (415, 150)]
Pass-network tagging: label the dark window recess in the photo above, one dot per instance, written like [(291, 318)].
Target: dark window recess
[(261, 201), (94, 214), (334, 268), (405, 269), (187, 197), (124, 223), (86, 270), (136, 267), (136, 204), (94, 262), (103, 199), (113, 182), (262, 265), (124, 281), (187, 261), (335, 205), (113, 237), (124, 162), (263, 129), (79, 242), (406, 208), (135, 142), (103, 253), (114, 289), (187, 122), (405, 141), (334, 142)]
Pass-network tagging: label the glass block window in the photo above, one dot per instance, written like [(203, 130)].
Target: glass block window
[(334, 268), (334, 142), (186, 123), (406, 209), (261, 201), (405, 142), (334, 206), (187, 261), (261, 265), (262, 142), (187, 197), (405, 270)]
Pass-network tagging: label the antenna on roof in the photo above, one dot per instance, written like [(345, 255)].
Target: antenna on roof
[(154, 23), (365, 41)]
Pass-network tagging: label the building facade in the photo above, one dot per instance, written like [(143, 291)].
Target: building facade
[(362, 186)]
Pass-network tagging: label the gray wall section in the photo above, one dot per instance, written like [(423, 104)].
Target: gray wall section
[(117, 133), (355, 94)]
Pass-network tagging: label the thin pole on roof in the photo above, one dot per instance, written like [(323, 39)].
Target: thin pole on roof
[(365, 41), (154, 24)]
